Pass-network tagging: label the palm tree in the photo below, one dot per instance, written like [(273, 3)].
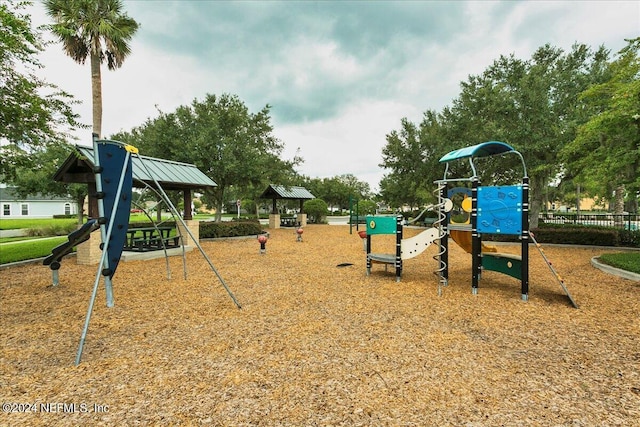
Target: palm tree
[(95, 28)]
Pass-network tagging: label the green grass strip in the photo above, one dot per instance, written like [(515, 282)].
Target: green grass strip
[(629, 261), (37, 248), (18, 223)]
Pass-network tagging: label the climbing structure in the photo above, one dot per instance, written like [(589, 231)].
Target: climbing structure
[(493, 210)]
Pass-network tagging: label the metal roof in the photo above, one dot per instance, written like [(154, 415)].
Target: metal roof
[(282, 192), (169, 174)]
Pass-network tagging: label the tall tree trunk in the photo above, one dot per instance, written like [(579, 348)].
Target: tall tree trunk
[(96, 92), (80, 212), (217, 195), (536, 197), (618, 206)]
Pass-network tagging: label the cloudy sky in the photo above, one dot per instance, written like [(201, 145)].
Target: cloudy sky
[(339, 75)]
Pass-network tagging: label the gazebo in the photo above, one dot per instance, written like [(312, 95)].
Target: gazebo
[(281, 192), (79, 168)]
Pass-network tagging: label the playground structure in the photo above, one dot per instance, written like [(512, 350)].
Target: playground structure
[(404, 248), (113, 177), (502, 210)]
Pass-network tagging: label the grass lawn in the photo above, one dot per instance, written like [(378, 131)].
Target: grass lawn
[(19, 223), (629, 261), (36, 248)]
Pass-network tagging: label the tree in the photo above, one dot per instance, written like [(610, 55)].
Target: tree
[(95, 28), (532, 106), (223, 139), (337, 190), (37, 177), (411, 155), (316, 209), (605, 153), (34, 114), (529, 104)]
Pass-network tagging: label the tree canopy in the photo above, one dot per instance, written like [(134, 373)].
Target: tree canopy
[(34, 114), (605, 155), (234, 147), (529, 104), (98, 29)]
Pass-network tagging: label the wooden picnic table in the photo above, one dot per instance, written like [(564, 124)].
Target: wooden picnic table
[(142, 239)]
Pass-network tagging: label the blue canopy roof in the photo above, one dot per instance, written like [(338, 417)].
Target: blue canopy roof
[(484, 149)]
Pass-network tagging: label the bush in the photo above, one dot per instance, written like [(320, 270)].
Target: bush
[(60, 229), (630, 238), (367, 207), (576, 235), (210, 229), (316, 209)]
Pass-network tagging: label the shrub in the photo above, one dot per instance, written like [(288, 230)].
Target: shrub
[(630, 238), (367, 207), (316, 209), (210, 229), (56, 229), (576, 235)]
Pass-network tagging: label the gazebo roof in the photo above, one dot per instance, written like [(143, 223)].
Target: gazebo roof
[(78, 168), (282, 192)]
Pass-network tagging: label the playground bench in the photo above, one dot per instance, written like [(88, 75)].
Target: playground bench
[(357, 219)]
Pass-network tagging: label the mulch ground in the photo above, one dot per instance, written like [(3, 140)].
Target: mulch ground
[(318, 345)]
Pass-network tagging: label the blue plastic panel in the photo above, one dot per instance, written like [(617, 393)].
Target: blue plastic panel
[(500, 210), (112, 159)]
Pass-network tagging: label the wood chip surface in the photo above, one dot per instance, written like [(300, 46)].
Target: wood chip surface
[(319, 345)]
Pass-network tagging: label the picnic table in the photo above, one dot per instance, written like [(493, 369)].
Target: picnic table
[(143, 239), (288, 221)]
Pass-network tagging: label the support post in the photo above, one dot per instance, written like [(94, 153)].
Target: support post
[(476, 247), (368, 247), (398, 263), (525, 239), (188, 215), (444, 240)]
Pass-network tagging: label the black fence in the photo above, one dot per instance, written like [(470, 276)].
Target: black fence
[(627, 221)]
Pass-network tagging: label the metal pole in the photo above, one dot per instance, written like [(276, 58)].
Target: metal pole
[(173, 209), (525, 239), (103, 259), (476, 251), (398, 247)]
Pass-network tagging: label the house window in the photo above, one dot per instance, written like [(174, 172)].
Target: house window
[(6, 209), (67, 208), (25, 209)]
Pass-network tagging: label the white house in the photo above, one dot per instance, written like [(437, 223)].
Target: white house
[(33, 206)]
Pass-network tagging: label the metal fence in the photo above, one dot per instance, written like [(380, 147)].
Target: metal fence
[(627, 221)]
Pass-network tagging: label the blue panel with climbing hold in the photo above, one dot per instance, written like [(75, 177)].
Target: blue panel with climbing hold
[(500, 210), (112, 160)]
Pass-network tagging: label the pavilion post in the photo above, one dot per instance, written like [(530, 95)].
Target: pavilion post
[(188, 214)]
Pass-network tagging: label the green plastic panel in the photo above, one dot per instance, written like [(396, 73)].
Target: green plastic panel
[(502, 264), (381, 225)]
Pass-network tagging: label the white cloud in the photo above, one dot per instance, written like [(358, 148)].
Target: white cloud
[(339, 75), (350, 143)]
